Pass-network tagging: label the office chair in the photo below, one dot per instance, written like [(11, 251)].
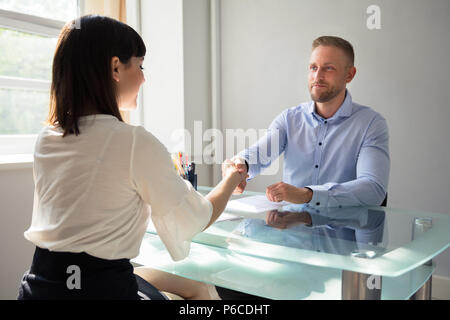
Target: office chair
[(384, 203)]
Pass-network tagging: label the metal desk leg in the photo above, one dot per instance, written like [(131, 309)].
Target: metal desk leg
[(360, 286), (424, 293)]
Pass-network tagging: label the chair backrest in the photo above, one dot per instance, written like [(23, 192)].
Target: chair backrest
[(384, 203)]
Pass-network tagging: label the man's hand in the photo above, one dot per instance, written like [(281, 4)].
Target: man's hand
[(284, 220), (285, 192), (239, 164)]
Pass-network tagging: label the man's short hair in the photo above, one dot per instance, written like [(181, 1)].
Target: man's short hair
[(337, 42)]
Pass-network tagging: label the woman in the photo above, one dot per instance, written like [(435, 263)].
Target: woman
[(97, 179)]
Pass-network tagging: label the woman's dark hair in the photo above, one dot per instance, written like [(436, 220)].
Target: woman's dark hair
[(82, 81)]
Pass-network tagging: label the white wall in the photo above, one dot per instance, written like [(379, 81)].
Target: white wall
[(403, 73), (16, 205), (197, 77), (162, 31), (177, 90)]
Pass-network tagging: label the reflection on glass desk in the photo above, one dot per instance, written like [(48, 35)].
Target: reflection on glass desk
[(300, 252), (353, 232)]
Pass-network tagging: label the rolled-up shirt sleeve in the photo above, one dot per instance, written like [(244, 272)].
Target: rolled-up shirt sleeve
[(178, 211)]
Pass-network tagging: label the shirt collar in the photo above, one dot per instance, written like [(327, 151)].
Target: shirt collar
[(97, 117), (345, 110)]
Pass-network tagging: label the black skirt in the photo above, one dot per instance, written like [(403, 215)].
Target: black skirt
[(67, 275)]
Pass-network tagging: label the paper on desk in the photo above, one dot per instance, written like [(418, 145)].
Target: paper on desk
[(226, 216), (254, 204)]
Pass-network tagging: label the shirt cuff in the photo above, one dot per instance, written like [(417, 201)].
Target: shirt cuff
[(320, 196)]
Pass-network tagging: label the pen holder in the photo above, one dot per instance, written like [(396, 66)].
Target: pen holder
[(192, 178)]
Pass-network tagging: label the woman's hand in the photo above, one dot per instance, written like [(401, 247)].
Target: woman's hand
[(229, 166), (232, 176), (236, 169)]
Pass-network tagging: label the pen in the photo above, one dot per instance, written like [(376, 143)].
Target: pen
[(180, 164), (176, 163)]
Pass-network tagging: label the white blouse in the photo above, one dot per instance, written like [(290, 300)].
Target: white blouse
[(94, 192)]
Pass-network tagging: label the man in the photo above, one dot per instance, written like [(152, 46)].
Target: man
[(336, 151)]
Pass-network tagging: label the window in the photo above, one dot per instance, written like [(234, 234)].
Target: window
[(28, 37)]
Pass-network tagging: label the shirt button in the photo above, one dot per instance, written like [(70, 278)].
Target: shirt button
[(326, 122), (317, 203), (316, 166), (320, 143)]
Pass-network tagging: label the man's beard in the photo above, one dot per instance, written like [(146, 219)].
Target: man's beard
[(324, 96)]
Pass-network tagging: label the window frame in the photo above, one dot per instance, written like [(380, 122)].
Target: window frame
[(24, 143)]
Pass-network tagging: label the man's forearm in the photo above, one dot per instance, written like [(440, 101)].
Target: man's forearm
[(358, 192)]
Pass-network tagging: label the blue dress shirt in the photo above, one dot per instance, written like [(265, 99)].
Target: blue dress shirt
[(343, 159)]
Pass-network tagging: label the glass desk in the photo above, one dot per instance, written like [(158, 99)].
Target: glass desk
[(342, 253)]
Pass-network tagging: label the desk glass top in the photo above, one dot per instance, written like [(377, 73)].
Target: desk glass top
[(372, 240)]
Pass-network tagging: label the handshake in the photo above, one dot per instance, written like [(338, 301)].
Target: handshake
[(233, 166), (276, 192)]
